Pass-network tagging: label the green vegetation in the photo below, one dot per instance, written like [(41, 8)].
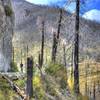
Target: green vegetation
[(39, 92), (6, 92), (58, 71), (8, 11), (14, 67)]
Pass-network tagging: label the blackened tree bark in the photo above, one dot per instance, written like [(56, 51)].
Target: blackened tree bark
[(55, 42), (53, 47), (76, 49), (29, 88), (42, 47), (39, 60), (59, 23)]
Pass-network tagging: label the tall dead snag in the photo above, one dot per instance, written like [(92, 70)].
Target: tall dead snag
[(39, 62), (41, 55), (53, 47), (29, 88), (59, 23), (76, 50), (55, 42)]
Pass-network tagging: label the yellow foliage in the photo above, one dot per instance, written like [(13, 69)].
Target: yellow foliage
[(37, 81), (71, 83)]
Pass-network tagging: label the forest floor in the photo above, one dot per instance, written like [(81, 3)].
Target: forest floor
[(54, 86)]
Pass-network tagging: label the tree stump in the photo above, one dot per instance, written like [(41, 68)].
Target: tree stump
[(29, 88)]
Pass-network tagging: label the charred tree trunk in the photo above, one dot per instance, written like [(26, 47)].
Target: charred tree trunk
[(42, 47), (59, 23), (41, 54), (55, 43), (29, 77), (76, 50), (54, 47), (39, 62)]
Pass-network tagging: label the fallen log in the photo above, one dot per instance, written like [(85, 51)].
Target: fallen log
[(15, 88), (14, 75)]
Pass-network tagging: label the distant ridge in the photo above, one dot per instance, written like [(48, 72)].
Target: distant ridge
[(26, 27)]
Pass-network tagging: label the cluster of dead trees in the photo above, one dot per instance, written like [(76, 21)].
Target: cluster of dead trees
[(56, 36)]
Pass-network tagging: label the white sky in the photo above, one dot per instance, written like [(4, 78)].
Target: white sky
[(42, 1)]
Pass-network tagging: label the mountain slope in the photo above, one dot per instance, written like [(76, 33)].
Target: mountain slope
[(28, 23)]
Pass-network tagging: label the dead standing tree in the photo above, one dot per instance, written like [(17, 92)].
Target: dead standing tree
[(56, 37), (76, 50), (29, 88), (41, 56), (53, 47)]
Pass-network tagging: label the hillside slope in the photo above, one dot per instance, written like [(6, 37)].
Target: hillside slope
[(28, 19)]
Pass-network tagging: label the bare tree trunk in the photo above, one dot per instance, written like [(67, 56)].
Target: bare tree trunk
[(59, 23), (76, 50), (55, 43), (29, 77), (42, 47), (64, 55), (53, 48), (39, 67)]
